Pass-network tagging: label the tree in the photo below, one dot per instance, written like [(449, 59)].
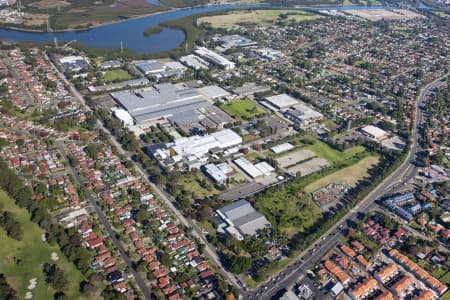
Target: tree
[(6, 292), (93, 150), (238, 264), (88, 289), (55, 276)]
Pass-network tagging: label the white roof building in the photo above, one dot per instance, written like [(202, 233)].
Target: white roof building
[(213, 92), (254, 171), (374, 132), (215, 58), (282, 148), (281, 102), (216, 174), (195, 62), (200, 145), (124, 117)]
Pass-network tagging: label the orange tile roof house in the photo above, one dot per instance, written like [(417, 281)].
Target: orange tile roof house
[(337, 272), (386, 272), (364, 289), (401, 288), (348, 251), (357, 246), (386, 295), (362, 261), (432, 282), (425, 295)]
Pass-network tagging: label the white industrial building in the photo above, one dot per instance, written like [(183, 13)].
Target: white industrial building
[(242, 216), (73, 63), (302, 114), (254, 170), (213, 92), (195, 62), (280, 102), (215, 58), (374, 132), (216, 173), (159, 69), (282, 148), (124, 117), (200, 145)]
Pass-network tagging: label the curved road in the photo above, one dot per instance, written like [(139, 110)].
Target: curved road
[(288, 276)]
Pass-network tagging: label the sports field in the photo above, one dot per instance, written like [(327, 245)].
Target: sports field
[(22, 260), (235, 19), (116, 75), (242, 109), (349, 175)]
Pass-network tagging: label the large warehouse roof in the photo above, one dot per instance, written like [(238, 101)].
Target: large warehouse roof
[(162, 101), (199, 145), (243, 216), (374, 132), (281, 101)]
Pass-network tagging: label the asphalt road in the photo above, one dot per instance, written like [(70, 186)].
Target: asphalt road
[(102, 217), (288, 276), (111, 233), (196, 232)]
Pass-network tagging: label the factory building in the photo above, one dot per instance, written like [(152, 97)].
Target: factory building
[(282, 148), (160, 70), (254, 170), (124, 117), (374, 132), (219, 173), (280, 102), (303, 115), (194, 62), (243, 217), (73, 63), (234, 41), (162, 101), (215, 58), (200, 145)]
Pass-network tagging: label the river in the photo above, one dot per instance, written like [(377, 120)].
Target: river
[(130, 32)]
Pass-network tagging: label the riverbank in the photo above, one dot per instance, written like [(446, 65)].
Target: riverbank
[(169, 10), (129, 32)]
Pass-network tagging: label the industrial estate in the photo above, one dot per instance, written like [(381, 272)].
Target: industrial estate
[(289, 153)]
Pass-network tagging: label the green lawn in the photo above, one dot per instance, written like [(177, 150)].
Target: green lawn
[(442, 14), (32, 253), (332, 155), (191, 184), (349, 175), (116, 75), (446, 296), (445, 279), (242, 109), (264, 17), (288, 208)]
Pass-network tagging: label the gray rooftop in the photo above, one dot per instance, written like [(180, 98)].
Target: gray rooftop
[(163, 100), (149, 66), (244, 217), (237, 210)]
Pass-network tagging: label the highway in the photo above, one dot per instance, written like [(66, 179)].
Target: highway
[(407, 170)]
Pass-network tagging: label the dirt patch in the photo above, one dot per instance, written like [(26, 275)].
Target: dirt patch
[(49, 4), (308, 167), (382, 14), (55, 256), (295, 157)]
